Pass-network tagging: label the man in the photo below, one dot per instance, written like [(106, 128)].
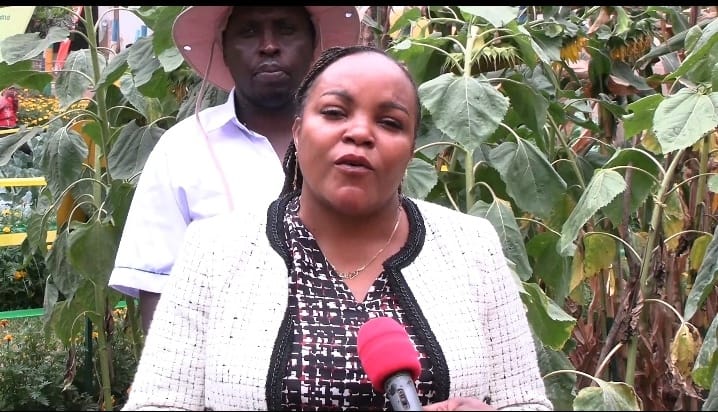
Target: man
[(229, 156)]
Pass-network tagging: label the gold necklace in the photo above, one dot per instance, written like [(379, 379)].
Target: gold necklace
[(354, 273)]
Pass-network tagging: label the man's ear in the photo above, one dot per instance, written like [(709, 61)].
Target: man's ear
[(296, 131)]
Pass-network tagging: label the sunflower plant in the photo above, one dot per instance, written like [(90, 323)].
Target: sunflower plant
[(105, 114)]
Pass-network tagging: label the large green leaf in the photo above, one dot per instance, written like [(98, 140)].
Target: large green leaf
[(68, 316), (76, 77), (549, 322), (468, 110), (560, 386), (142, 61), (420, 178), (162, 42), (607, 396), (550, 46), (502, 218), (408, 17), (548, 265), (156, 17), (429, 133), (683, 118), (624, 72), (702, 47), (421, 57), (118, 201), (27, 46), (137, 99), (528, 49), (711, 402), (64, 276), (62, 160), (157, 87), (497, 16), (10, 143), (706, 279), (22, 74), (704, 370), (131, 148), (91, 251), (36, 240), (530, 179), (600, 252), (603, 187), (642, 114), (114, 69), (529, 104), (642, 182)]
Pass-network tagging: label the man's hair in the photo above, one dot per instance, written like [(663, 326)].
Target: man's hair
[(292, 174)]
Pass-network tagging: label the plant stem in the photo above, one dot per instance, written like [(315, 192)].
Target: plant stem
[(631, 360), (132, 315), (655, 222), (473, 37), (647, 261), (701, 189), (469, 178), (100, 291), (103, 351), (569, 152)]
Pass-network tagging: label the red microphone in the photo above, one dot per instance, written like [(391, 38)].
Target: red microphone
[(391, 361)]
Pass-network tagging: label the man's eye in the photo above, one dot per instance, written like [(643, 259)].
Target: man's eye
[(287, 30), (246, 31)]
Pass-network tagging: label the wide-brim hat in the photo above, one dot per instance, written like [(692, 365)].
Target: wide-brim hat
[(197, 32)]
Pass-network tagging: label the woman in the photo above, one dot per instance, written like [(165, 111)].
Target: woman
[(266, 317)]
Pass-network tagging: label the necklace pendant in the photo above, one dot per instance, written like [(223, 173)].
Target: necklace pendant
[(349, 275)]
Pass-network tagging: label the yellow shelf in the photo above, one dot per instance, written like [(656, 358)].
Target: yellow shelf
[(8, 131), (23, 181), (16, 239)]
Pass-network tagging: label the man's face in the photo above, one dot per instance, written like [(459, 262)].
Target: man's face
[(268, 51)]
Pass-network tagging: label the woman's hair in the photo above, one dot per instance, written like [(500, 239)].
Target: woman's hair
[(293, 176)]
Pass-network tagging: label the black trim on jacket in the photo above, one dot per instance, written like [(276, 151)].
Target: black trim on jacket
[(415, 241)]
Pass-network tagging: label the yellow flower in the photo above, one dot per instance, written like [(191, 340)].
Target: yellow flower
[(5, 212), (95, 334), (571, 50), (20, 274), (6, 229), (7, 338)]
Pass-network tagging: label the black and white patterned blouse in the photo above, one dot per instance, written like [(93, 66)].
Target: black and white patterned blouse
[(324, 372)]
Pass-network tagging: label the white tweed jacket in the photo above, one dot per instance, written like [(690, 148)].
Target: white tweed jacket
[(220, 329)]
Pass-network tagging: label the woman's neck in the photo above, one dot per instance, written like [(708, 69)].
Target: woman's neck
[(329, 225)]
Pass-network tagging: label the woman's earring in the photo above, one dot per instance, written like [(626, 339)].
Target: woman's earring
[(296, 168)]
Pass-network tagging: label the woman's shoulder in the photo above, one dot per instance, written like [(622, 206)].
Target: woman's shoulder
[(437, 215), (244, 224)]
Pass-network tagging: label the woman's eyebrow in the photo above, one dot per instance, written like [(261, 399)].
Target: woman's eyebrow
[(342, 94)]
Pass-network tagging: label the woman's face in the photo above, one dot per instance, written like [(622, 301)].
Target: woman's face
[(355, 137)]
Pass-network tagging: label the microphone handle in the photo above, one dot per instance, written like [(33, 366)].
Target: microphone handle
[(401, 391)]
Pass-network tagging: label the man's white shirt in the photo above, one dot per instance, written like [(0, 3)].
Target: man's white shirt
[(181, 183)]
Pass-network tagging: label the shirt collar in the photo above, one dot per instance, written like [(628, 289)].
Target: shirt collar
[(223, 114)]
